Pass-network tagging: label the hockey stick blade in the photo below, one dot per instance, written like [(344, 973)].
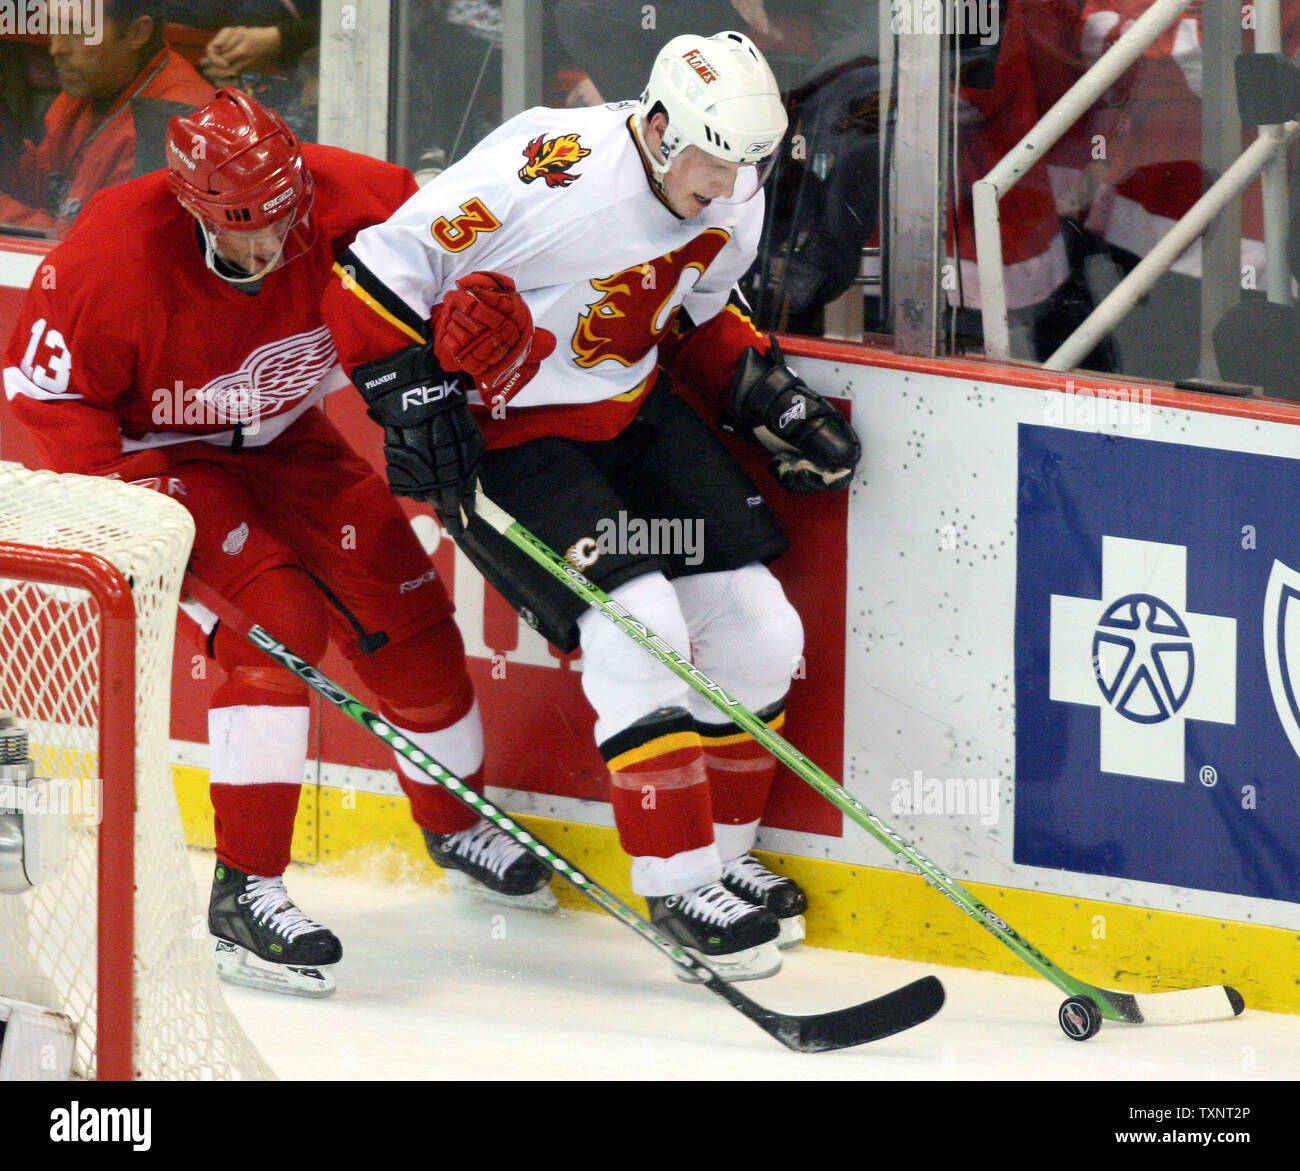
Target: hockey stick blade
[(856, 1025), (1217, 1002), (844, 1027)]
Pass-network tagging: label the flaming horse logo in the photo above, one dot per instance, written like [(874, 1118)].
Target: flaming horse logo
[(550, 159)]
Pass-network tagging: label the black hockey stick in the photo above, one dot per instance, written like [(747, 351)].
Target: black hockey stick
[(840, 1029), (1080, 1015)]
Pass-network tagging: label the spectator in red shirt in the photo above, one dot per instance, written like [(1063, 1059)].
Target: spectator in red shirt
[(107, 124)]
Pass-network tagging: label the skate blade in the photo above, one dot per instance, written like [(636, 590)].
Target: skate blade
[(755, 963), (237, 965), (542, 900), (793, 932)]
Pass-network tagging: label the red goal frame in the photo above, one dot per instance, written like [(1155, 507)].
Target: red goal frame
[(115, 926)]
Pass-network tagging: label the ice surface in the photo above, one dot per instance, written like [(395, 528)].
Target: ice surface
[(434, 985)]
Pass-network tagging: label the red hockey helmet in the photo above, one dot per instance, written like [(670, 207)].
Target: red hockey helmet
[(237, 167)]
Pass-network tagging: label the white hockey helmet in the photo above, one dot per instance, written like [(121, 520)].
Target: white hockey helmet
[(719, 94)]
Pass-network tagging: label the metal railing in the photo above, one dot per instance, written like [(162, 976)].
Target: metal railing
[(1266, 154), (987, 193)]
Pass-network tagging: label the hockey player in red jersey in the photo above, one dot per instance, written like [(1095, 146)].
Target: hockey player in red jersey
[(189, 356), (571, 268)]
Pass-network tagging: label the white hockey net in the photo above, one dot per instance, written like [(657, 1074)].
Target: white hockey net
[(52, 660)]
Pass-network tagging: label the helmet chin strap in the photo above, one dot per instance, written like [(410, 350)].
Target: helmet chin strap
[(210, 256), (658, 167)]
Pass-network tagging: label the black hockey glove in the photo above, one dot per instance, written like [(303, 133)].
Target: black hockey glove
[(431, 441), (814, 446)]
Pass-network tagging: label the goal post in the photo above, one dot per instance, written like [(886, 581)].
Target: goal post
[(116, 938)]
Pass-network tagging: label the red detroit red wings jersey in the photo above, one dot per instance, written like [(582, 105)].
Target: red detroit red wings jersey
[(561, 202), (128, 343)]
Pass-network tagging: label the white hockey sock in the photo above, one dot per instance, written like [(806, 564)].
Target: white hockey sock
[(734, 841), (656, 877), (257, 744), (621, 680), (458, 748)]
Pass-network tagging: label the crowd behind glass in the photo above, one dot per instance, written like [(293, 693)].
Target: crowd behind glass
[(1075, 225)]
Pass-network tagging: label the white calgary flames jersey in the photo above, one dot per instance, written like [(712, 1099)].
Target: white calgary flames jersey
[(562, 202)]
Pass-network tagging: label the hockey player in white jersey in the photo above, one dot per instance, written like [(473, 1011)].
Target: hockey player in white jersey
[(517, 328)]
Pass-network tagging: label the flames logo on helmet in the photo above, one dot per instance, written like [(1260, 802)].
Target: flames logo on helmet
[(700, 63), (550, 159), (718, 94)]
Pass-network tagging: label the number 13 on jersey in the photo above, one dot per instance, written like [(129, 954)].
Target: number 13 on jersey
[(53, 373)]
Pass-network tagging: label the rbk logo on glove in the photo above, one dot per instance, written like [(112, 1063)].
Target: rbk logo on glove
[(432, 445), (422, 396)]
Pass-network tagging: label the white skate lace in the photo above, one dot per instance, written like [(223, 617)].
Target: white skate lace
[(272, 907), (749, 872), (487, 846), (715, 904)]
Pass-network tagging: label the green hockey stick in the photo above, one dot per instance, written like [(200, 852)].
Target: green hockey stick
[(1080, 1015)]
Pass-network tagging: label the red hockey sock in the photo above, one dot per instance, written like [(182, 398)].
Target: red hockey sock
[(740, 779), (254, 825), (257, 733), (660, 794), (436, 810), (661, 805), (740, 772)]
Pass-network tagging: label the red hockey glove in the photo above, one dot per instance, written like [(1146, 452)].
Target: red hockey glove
[(484, 328)]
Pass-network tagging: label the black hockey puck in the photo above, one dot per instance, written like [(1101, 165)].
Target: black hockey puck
[(1080, 1018)]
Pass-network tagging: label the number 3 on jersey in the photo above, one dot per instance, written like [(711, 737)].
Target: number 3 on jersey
[(459, 233), (53, 373)]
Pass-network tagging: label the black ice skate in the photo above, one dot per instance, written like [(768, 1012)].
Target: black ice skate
[(747, 877), (264, 941), (735, 938), (489, 864)]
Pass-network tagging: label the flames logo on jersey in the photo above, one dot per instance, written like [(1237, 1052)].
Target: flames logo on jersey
[(551, 158), (639, 303)]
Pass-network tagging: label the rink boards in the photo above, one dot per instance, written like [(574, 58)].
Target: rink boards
[(1053, 638), (1110, 562)]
